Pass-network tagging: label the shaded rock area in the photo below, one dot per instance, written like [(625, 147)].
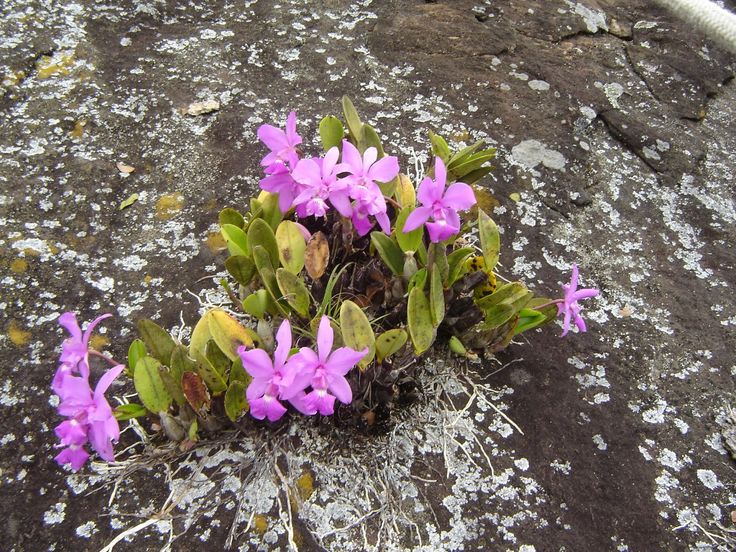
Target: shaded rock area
[(615, 131)]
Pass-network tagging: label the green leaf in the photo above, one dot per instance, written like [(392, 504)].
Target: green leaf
[(180, 363), (389, 252), (460, 156), (436, 296), (408, 241), (271, 213), (457, 347), (545, 305), (418, 280), (331, 132), (231, 216), (235, 401), (294, 291), (211, 377), (192, 432), (390, 342), (490, 240), (331, 282), (158, 341), (200, 336), (472, 163), (228, 333), (241, 268), (474, 176), (218, 359), (257, 303), (528, 319), (419, 320), (268, 275), (438, 252), (439, 147), (260, 233), (172, 386), (136, 351), (456, 262), (129, 411), (372, 140), (291, 246), (356, 331), (405, 193), (238, 373), (498, 315), (355, 125), (128, 202), (508, 293), (149, 386), (236, 240)]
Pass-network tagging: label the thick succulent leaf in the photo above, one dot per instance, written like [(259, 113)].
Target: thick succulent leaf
[(158, 341), (270, 211), (529, 319), (238, 373), (180, 363), (390, 342), (405, 193), (172, 386), (218, 359), (460, 156), (268, 275), (216, 384), (439, 147), (419, 280), (356, 331), (241, 268), (508, 293), (236, 239), (372, 140), (457, 347), (129, 411), (149, 386), (294, 291), (472, 163), (231, 216), (408, 241), (438, 254), (548, 308), (235, 402), (419, 319), (498, 314), (260, 233), (331, 132), (256, 304), (389, 251), (136, 351), (228, 333), (436, 296), (456, 262), (291, 246), (490, 239), (317, 255), (355, 125)]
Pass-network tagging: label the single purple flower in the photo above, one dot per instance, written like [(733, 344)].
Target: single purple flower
[(569, 305), (270, 377), (283, 144), (440, 205), (325, 371), (318, 178)]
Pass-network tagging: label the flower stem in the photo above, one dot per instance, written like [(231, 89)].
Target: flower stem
[(553, 302), (108, 359)]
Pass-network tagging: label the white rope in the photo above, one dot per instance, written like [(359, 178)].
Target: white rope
[(717, 23)]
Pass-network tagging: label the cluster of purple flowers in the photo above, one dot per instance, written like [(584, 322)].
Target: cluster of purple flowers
[(89, 416), (312, 185), (287, 378)]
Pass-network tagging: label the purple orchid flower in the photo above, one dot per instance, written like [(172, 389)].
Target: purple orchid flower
[(364, 172), (281, 143), (318, 178), (325, 371), (270, 377), (74, 357), (569, 305), (440, 205), (279, 180)]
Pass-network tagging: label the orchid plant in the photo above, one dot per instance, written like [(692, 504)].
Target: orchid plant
[(363, 274)]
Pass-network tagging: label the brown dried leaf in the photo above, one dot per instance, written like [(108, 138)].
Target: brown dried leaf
[(317, 255), (123, 168), (195, 390)]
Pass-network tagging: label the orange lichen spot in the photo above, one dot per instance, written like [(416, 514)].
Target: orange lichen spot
[(30, 252), (169, 205), (212, 205), (78, 131), (99, 342), (14, 78), (260, 524), (18, 336), (462, 136), (147, 279), (19, 266), (305, 485), (215, 242), (49, 66)]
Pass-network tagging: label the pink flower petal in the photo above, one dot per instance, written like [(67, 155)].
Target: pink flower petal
[(384, 170), (416, 218), (351, 156), (91, 326), (440, 173), (342, 360), (330, 160), (257, 363), (384, 222), (369, 157), (341, 202), (283, 340), (68, 321), (429, 191), (440, 231), (308, 173), (298, 401), (274, 138), (257, 388), (106, 380), (325, 337), (291, 136), (340, 387), (459, 196), (74, 455)]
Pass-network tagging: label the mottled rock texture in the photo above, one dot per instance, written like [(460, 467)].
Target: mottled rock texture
[(614, 125)]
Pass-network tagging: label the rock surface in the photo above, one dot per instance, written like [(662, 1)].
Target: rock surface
[(615, 130)]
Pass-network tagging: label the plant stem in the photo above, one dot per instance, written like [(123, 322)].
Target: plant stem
[(108, 359), (553, 302)]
